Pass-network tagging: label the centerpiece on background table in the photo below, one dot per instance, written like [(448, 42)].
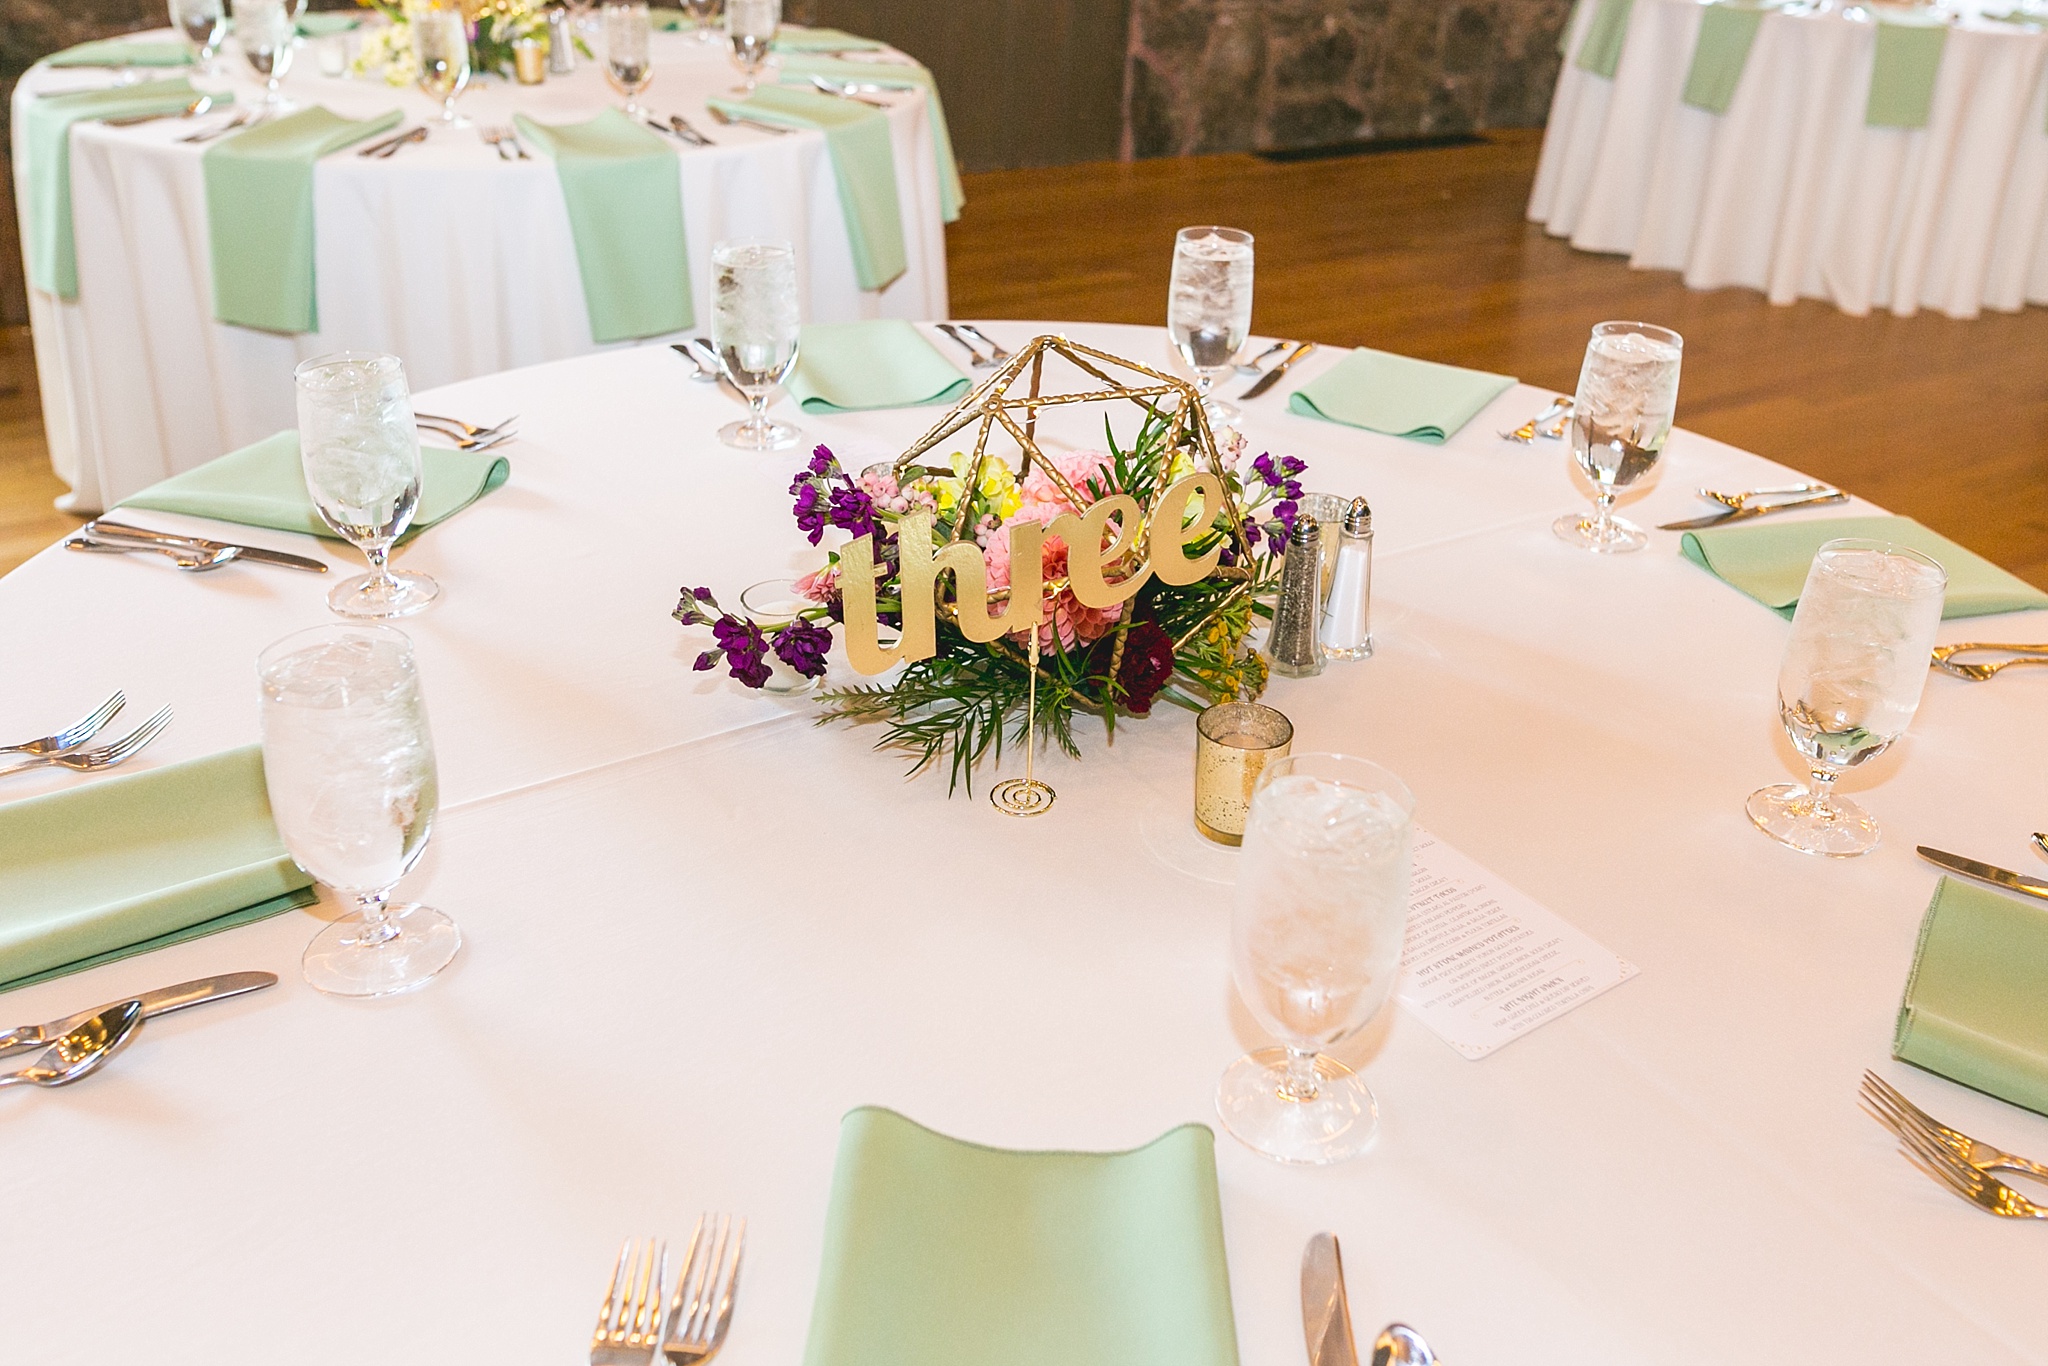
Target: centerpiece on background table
[(1096, 581), (494, 26)]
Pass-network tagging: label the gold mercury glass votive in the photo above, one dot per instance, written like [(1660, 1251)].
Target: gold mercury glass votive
[(530, 60), (1233, 743)]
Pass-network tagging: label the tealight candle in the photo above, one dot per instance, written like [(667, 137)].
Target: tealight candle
[(769, 604), (530, 60), (1233, 743)]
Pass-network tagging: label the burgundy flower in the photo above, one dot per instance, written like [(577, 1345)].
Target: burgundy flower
[(1147, 664)]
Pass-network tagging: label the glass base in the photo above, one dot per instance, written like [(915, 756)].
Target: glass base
[(369, 597), (768, 436), (1222, 412), (342, 962), (1830, 826), (1340, 1123), (1584, 530)]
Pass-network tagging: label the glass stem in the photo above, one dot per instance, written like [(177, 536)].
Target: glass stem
[(1300, 1084), (377, 926), (1821, 793), (757, 414), (377, 555), (1603, 508)]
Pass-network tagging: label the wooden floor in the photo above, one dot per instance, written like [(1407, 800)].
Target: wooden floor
[(1427, 253)]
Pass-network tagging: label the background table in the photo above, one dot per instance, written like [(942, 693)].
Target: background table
[(1788, 191), (444, 254), (699, 929)]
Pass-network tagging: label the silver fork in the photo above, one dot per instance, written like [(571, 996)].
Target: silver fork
[(702, 1308), (629, 1320), (73, 735), (1980, 1188), (1251, 367), (502, 137), (976, 359), (240, 120), (996, 351), (464, 428), (106, 756), (1899, 1114), (1737, 500)]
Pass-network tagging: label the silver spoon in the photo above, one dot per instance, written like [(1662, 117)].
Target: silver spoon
[(2041, 842), (193, 110), (188, 558), (1251, 367), (1397, 1343), (81, 1051)]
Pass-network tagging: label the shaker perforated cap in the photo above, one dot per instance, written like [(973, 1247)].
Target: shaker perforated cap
[(1358, 518)]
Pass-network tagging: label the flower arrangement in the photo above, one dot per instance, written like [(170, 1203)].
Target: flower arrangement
[(494, 26)]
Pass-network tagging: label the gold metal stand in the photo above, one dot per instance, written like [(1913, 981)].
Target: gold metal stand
[(1026, 796)]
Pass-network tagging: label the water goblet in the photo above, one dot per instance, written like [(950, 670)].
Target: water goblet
[(751, 26), (349, 763), (268, 33), (754, 329), (1209, 307), (440, 45), (1628, 391), (203, 24), (703, 11), (1849, 685), (625, 52), (1321, 905), (361, 456)]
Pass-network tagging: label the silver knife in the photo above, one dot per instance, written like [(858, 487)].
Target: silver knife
[(161, 1002), (1986, 872), (121, 531), (1325, 1312), (1760, 510), (1272, 376)]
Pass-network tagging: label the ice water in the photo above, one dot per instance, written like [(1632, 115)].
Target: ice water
[(1322, 903), (203, 22), (1857, 660), (1628, 392), (754, 317), (1209, 304), (358, 446)]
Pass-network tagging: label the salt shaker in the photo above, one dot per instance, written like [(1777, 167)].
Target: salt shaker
[(1292, 642), (1347, 616), (561, 40)]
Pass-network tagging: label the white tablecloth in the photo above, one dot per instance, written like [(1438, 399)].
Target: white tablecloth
[(699, 929), (1788, 192), (444, 254)]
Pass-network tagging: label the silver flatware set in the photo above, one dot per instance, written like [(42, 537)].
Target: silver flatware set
[(65, 748), (504, 141), (633, 1324), (387, 148), (194, 554), (742, 121), (971, 339), (76, 1046), (679, 128), (1326, 1315), (1273, 376), (1954, 1159), (1550, 424), (467, 436), (1740, 507)]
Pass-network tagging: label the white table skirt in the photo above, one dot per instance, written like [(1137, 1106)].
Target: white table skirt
[(699, 929), (1789, 192), (444, 254)]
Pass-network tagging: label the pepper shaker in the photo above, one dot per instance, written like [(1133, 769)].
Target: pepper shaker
[(561, 42), (1293, 641), (1347, 617)]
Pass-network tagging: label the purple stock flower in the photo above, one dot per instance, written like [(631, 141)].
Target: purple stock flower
[(1280, 531), (1280, 474), (826, 497), (802, 646), (744, 646)]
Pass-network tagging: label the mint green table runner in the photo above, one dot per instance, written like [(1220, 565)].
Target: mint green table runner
[(128, 862), (845, 367), (863, 163), (1600, 51), (1727, 32), (1398, 395), (1769, 560), (46, 147), (624, 189), (1902, 72), (944, 1253), (259, 215), (265, 485), (124, 52), (1976, 1009), (799, 68)]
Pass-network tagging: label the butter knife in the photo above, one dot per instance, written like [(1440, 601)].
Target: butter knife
[(1986, 872), (121, 531), (1272, 376), (1325, 1311), (1760, 510), (160, 1002)]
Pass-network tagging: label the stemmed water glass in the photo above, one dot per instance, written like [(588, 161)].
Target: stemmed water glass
[(703, 11), (1322, 903), (1849, 685), (1628, 391), (440, 43), (1209, 306), (203, 23), (361, 455), (267, 31), (625, 52), (754, 328), (349, 763), (751, 26)]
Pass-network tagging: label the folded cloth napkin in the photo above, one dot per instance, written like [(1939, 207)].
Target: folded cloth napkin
[(1902, 73), (46, 149), (939, 1252), (1974, 1010), (123, 52), (798, 68), (321, 24), (624, 188), (1727, 32), (264, 485), (259, 215), (1600, 50), (863, 162), (131, 862), (844, 367), (791, 38), (1769, 560), (1398, 395)]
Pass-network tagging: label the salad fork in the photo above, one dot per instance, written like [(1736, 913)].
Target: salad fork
[(629, 1320), (1891, 1108), (1560, 407), (464, 428), (702, 1308), (74, 735), (997, 352), (1946, 661), (1980, 1188), (106, 756)]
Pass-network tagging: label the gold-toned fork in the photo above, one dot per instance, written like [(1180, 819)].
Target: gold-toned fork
[(1891, 1108), (1946, 661), (702, 1308), (1978, 1187), (1739, 500), (629, 1319)]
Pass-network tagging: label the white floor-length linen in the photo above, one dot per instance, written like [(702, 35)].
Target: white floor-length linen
[(700, 928), (444, 255), (1788, 191)]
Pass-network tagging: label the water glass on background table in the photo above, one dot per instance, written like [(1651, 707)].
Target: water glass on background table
[(361, 454), (203, 24), (751, 26), (1849, 685), (754, 327), (440, 44), (349, 763), (1628, 392), (1209, 306), (1322, 903), (703, 12), (625, 52), (267, 31)]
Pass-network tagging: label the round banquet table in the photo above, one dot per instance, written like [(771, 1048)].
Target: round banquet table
[(444, 253), (699, 929), (1788, 191)]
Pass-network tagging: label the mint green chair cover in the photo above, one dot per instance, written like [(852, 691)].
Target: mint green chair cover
[(1727, 32)]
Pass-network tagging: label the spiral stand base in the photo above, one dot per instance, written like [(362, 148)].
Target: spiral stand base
[(1021, 797)]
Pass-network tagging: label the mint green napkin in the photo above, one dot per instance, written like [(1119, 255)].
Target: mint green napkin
[(1600, 52), (125, 863), (1974, 1009), (845, 367), (1769, 560), (797, 68), (123, 52), (265, 485), (46, 147), (862, 162), (791, 38), (943, 1253), (322, 24), (1903, 71), (624, 189), (1398, 395), (1727, 31), (259, 215)]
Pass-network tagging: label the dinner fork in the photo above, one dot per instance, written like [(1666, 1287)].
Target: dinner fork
[(106, 756), (975, 358), (1561, 406), (73, 735), (464, 428), (731, 120), (702, 1308), (1944, 658), (1891, 1108), (505, 141), (1737, 501), (629, 1320), (1980, 1188), (683, 130), (997, 352)]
